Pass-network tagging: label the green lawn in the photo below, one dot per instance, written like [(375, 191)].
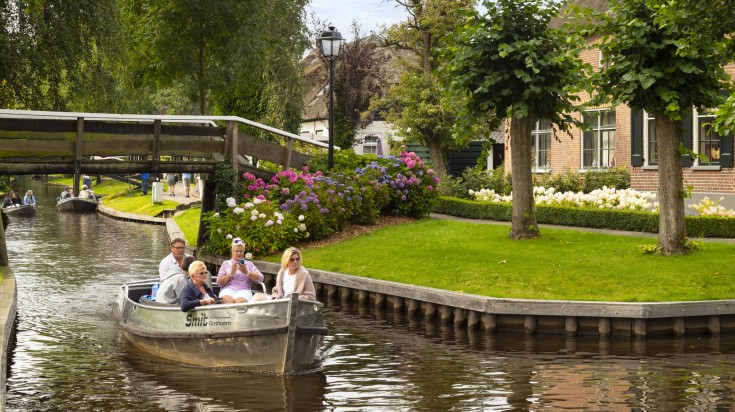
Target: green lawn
[(188, 222), (562, 264)]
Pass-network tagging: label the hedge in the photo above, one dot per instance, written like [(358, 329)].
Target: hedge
[(630, 220)]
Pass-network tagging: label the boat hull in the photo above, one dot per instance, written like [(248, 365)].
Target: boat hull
[(23, 210), (279, 336), (74, 204)]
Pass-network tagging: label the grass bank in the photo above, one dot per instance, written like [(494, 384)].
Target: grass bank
[(560, 265), (188, 222)]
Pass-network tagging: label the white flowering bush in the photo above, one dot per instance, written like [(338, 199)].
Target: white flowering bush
[(709, 207), (605, 198), (260, 223)]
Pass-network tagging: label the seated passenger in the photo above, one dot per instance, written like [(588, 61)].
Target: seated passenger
[(196, 292), (29, 199), (67, 193), (173, 260), (236, 276), (11, 200), (86, 193), (171, 287), (292, 278)]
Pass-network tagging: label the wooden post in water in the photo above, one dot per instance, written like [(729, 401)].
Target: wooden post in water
[(3, 246)]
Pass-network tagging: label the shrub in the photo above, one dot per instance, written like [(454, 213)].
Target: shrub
[(566, 182), (260, 223), (414, 188), (617, 177), (475, 179)]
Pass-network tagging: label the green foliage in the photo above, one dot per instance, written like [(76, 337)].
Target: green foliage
[(511, 58), (294, 206), (5, 184), (618, 178), (224, 180), (568, 181), (475, 179), (635, 221), (663, 56)]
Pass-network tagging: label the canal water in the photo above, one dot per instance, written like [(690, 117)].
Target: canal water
[(69, 356)]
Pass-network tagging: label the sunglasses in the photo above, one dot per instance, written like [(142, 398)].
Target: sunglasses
[(295, 259), (239, 242)]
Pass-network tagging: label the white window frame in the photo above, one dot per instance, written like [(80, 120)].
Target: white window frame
[(370, 142), (597, 130), (536, 134), (647, 119), (704, 117)]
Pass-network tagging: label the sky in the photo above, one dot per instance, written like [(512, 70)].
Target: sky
[(370, 13)]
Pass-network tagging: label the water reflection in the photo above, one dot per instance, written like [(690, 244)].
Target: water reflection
[(69, 355)]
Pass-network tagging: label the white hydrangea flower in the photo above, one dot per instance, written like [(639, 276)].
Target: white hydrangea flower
[(279, 221), (261, 216), (269, 223), (229, 236), (249, 205), (216, 214), (219, 230), (249, 256), (295, 230), (301, 218), (257, 201), (254, 212), (238, 210), (302, 227), (253, 218), (231, 202)]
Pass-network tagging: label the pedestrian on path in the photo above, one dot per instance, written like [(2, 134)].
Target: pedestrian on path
[(144, 177), (186, 178), (171, 181)]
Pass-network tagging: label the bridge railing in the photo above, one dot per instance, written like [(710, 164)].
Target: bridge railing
[(64, 142)]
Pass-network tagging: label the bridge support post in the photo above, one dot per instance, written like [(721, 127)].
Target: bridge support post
[(232, 146), (3, 246), (208, 202)]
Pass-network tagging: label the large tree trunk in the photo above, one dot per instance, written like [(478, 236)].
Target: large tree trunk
[(671, 228), (437, 158), (524, 216)]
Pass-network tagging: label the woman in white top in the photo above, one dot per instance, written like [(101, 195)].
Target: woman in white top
[(291, 278)]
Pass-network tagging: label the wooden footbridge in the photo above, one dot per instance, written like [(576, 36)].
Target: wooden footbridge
[(37, 142)]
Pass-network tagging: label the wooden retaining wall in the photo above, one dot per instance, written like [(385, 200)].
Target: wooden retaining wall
[(570, 318)]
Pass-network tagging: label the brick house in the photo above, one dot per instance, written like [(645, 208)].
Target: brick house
[(620, 138)]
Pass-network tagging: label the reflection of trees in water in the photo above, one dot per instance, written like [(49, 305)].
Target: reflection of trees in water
[(441, 367)]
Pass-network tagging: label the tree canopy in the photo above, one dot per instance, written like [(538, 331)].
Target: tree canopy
[(509, 63), (665, 57)]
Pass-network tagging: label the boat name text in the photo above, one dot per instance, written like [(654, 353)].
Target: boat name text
[(193, 319)]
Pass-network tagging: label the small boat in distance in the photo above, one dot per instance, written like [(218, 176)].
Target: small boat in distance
[(77, 204), (20, 210), (279, 335)]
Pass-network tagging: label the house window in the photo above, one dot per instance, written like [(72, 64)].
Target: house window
[(706, 140), (540, 144), (598, 142), (370, 145), (650, 139)]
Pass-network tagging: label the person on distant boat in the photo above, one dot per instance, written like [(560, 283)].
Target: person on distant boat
[(67, 193), (11, 200), (28, 199), (196, 292), (174, 259), (86, 193), (292, 278), (237, 275), (171, 287)]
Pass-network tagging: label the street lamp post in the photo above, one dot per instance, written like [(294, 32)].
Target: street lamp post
[(331, 42)]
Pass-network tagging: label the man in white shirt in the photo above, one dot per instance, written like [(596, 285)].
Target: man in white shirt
[(174, 259)]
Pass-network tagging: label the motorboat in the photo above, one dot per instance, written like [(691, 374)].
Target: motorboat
[(279, 335), (77, 204), (20, 210)]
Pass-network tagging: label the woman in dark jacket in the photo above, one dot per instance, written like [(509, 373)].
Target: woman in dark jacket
[(196, 292)]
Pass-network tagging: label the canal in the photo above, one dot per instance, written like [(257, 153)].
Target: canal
[(69, 356)]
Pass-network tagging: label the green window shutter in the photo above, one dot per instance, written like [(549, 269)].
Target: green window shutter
[(687, 138), (726, 151), (636, 137)]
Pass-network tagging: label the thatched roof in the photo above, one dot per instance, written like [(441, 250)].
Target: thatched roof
[(316, 81)]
